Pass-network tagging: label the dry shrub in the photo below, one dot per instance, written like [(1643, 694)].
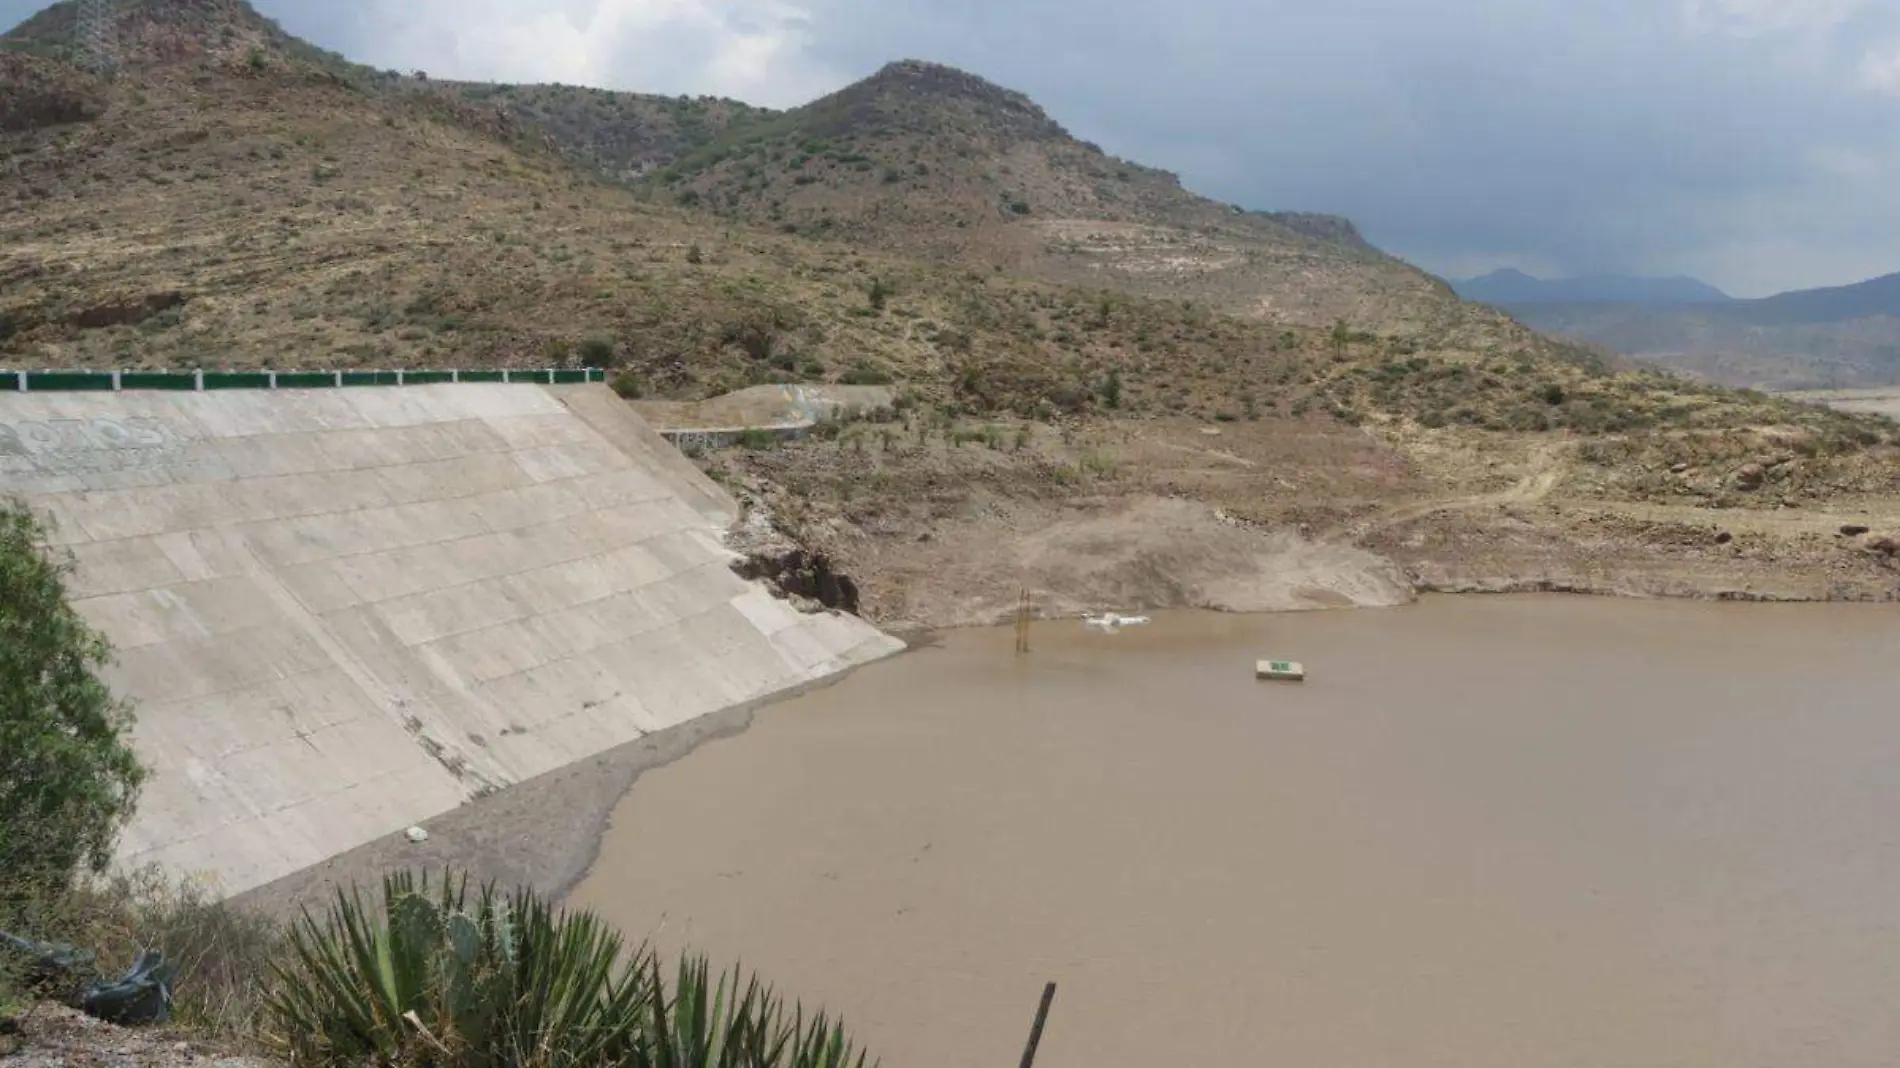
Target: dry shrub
[(222, 952)]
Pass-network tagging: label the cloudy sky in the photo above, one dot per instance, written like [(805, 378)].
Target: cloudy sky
[(1752, 143)]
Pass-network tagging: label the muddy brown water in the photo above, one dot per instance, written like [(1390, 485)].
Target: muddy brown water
[(1520, 832)]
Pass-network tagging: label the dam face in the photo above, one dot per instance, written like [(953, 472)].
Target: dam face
[(344, 611)]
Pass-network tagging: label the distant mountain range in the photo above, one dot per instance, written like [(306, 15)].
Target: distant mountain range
[(1834, 338), (1510, 286)]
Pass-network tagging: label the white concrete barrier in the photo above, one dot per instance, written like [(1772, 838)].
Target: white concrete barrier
[(344, 611)]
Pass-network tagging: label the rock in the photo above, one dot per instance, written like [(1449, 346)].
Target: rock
[(1749, 476), (1677, 469), (802, 575), (1852, 530), (1723, 537), (1885, 545)]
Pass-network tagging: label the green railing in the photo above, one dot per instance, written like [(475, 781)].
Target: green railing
[(195, 381)]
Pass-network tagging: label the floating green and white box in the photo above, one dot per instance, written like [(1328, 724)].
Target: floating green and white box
[(1286, 670)]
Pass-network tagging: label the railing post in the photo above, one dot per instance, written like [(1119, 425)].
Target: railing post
[(198, 379)]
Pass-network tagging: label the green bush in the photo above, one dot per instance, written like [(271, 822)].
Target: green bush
[(68, 777), (628, 384), (597, 351), (862, 373), (438, 980)]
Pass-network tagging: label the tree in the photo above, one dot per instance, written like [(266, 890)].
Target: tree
[(68, 777)]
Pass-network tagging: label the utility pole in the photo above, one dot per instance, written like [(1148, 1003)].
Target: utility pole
[(94, 36)]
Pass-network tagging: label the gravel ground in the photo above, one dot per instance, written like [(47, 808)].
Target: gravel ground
[(53, 1036)]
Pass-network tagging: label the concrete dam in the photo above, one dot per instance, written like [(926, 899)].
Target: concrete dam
[(343, 611)]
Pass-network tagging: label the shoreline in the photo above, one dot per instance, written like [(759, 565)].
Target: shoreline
[(1506, 585), (1584, 588), (544, 832), (547, 832), (1481, 588)]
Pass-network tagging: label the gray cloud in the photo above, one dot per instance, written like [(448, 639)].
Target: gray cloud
[(1749, 142)]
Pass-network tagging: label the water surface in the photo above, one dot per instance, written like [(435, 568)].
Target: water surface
[(1523, 832)]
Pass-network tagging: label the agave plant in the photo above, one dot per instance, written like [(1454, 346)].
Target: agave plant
[(506, 983), (438, 981), (711, 1022)]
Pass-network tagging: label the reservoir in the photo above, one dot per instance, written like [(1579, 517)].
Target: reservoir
[(1521, 832)]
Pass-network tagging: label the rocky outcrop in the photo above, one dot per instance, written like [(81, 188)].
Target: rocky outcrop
[(1334, 228), (802, 574), (766, 553)]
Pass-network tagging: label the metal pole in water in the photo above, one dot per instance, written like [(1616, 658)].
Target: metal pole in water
[(1042, 1017)]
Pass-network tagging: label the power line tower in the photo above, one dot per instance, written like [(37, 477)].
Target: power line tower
[(93, 34)]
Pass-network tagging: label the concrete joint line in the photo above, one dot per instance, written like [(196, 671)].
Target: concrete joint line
[(383, 697)]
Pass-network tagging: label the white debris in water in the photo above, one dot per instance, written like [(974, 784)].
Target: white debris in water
[(1110, 622)]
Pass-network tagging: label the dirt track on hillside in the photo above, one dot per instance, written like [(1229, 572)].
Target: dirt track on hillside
[(1278, 515), (1543, 470)]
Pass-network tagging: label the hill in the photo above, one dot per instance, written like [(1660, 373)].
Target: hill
[(1831, 338), (1874, 298), (236, 197), (623, 135), (1508, 287), (947, 166), (149, 35)]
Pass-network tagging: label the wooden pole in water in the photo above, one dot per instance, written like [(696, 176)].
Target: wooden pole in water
[(1035, 1030), (1022, 621)]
